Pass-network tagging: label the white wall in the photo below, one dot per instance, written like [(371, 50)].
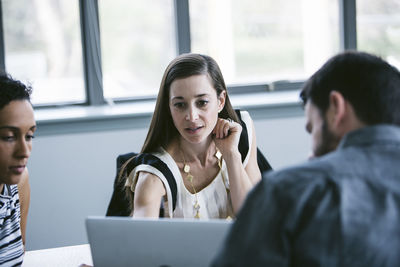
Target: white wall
[(71, 175)]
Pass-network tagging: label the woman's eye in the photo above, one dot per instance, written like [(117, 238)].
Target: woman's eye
[(8, 138), (179, 105), (202, 103), (29, 137)]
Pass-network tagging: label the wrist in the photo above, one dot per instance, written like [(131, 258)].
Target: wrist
[(232, 156)]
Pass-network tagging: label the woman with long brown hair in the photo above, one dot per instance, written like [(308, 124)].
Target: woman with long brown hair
[(190, 159)]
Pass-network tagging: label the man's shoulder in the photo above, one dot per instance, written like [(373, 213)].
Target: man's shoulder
[(316, 168), (317, 174)]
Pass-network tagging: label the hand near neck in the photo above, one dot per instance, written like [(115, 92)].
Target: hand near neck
[(226, 138)]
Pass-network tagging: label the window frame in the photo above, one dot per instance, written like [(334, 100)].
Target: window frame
[(91, 50)]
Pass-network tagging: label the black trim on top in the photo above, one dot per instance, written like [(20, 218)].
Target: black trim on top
[(155, 162), (244, 138), (262, 162)]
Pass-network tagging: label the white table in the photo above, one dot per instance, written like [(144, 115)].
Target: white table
[(72, 256)]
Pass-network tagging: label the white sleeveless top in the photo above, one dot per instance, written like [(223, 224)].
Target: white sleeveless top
[(214, 199)]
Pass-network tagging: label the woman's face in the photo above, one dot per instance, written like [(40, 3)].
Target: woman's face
[(17, 125), (194, 107)]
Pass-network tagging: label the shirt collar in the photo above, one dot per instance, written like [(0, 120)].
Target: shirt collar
[(375, 134)]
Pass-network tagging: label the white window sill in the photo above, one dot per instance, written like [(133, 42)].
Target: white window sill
[(57, 120)]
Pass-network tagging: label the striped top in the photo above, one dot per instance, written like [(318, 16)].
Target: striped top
[(214, 199), (11, 246)]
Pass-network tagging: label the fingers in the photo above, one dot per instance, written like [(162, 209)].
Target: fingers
[(222, 128)]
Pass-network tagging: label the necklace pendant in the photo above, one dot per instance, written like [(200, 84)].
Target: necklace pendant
[(197, 216), (196, 207), (189, 177), (186, 168), (218, 155)]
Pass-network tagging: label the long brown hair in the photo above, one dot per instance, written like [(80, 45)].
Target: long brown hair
[(162, 129)]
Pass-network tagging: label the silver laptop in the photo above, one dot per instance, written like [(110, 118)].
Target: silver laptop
[(124, 241)]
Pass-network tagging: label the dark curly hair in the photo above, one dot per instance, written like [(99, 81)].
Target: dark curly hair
[(11, 89)]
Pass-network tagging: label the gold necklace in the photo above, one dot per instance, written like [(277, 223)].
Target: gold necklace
[(189, 177)]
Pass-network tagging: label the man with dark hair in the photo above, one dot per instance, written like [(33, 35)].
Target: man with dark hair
[(17, 126), (342, 208)]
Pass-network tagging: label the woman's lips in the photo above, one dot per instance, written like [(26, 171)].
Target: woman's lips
[(193, 130), (17, 169)]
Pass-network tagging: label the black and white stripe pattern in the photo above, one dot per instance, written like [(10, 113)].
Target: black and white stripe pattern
[(11, 246)]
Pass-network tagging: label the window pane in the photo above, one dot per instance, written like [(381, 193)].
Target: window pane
[(265, 40), (378, 28), (43, 47), (137, 42)]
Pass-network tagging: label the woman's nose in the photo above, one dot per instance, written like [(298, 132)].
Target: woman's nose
[(192, 114), (23, 149)]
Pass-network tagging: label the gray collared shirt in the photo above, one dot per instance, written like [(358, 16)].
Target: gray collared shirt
[(342, 209)]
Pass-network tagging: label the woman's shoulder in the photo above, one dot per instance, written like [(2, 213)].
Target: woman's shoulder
[(147, 158), (243, 115), (156, 158), (158, 163)]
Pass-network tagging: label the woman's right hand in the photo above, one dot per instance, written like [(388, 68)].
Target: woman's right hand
[(227, 135)]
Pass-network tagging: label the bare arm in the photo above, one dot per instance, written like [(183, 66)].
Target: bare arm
[(24, 192), (241, 179), (148, 193)]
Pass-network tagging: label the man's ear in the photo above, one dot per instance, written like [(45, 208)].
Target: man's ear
[(221, 100), (337, 110), (341, 116)]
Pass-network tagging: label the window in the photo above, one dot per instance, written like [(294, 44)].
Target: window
[(43, 47), (257, 43), (265, 40), (137, 42), (378, 28)]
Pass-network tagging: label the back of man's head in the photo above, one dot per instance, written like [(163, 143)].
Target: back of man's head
[(11, 89), (370, 84)]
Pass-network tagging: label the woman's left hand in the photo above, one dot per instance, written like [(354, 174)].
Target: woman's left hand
[(227, 135)]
